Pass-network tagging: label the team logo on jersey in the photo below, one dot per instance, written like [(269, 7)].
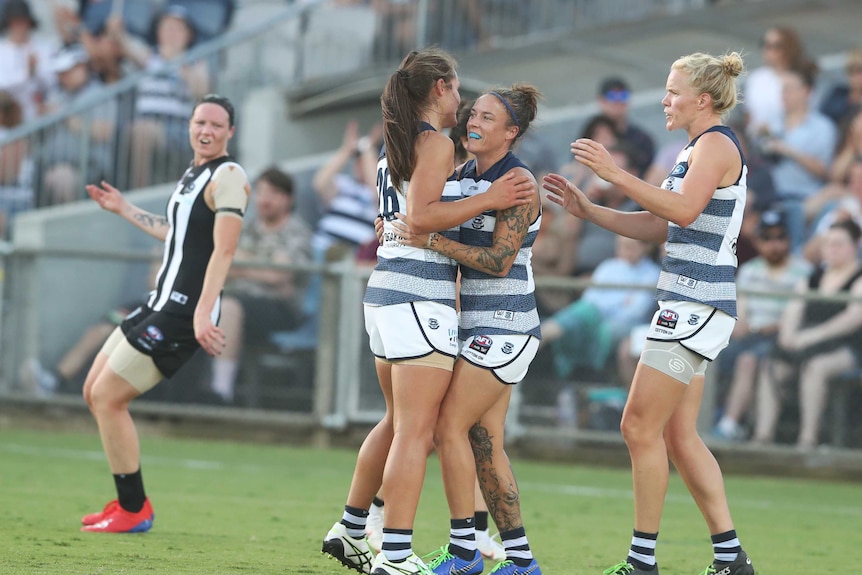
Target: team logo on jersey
[(178, 297), (667, 318), (508, 347), (686, 281), (481, 343), (155, 333), (478, 222), (693, 319), (679, 170), (433, 323)]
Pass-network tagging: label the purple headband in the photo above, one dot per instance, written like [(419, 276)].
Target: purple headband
[(508, 107)]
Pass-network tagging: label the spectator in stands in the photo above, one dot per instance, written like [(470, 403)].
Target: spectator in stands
[(553, 255), (593, 243), (25, 70), (261, 301), (104, 50), (817, 339), (16, 168), (91, 132), (846, 205), (775, 269), (67, 375), (601, 128), (845, 100), (803, 151), (782, 50), (585, 333), (350, 200), (614, 97), (849, 150), (165, 97)]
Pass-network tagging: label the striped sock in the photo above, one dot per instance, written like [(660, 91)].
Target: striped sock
[(397, 544), (462, 538), (516, 546), (642, 552), (726, 547), (354, 520)]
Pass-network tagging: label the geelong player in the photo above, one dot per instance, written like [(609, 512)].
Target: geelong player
[(697, 212), (200, 229)]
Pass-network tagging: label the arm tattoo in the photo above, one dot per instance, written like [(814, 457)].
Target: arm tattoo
[(148, 220), (509, 232), (496, 481)]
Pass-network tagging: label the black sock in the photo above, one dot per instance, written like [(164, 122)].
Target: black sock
[(481, 520), (130, 490), (377, 501)]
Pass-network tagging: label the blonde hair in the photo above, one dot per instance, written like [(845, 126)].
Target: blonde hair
[(715, 76)]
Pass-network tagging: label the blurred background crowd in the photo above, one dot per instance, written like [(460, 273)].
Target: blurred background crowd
[(109, 86)]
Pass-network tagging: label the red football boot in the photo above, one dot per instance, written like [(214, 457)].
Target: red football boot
[(94, 518), (115, 519)]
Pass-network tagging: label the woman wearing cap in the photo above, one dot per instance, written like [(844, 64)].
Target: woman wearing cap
[(200, 230), (25, 69), (697, 214)]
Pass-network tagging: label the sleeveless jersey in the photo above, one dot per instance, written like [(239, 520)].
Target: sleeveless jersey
[(489, 304), (700, 264), (404, 274), (189, 243)]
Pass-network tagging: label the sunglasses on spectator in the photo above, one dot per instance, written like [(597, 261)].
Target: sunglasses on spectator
[(617, 95)]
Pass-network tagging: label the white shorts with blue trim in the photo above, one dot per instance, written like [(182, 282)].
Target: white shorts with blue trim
[(507, 356), (697, 327), (412, 330)]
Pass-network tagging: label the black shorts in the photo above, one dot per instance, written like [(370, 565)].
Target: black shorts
[(167, 338)]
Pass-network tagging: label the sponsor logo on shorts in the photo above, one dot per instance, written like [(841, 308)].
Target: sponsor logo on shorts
[(693, 319), (155, 333), (504, 314), (667, 318), (481, 343), (508, 347), (687, 282), (433, 323), (478, 222), (676, 365), (180, 298)]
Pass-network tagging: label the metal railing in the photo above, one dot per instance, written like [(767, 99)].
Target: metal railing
[(333, 381)]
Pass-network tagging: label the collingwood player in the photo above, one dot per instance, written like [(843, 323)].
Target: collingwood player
[(200, 229)]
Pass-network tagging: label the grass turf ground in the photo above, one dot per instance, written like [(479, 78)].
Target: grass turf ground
[(238, 508)]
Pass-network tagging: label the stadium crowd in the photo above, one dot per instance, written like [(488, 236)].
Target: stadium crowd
[(803, 144)]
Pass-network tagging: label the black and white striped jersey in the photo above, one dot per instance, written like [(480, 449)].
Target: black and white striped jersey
[(189, 243)]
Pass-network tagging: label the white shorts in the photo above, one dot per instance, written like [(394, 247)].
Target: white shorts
[(698, 327), (411, 330), (507, 356)]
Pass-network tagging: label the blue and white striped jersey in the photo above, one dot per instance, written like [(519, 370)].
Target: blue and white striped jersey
[(403, 273), (489, 304), (700, 264)]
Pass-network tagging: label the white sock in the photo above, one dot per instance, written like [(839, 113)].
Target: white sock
[(224, 375)]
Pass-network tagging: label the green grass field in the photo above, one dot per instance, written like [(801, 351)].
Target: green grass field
[(236, 508)]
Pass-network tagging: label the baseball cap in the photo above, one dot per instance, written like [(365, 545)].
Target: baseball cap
[(772, 219), (615, 89), (68, 57)]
